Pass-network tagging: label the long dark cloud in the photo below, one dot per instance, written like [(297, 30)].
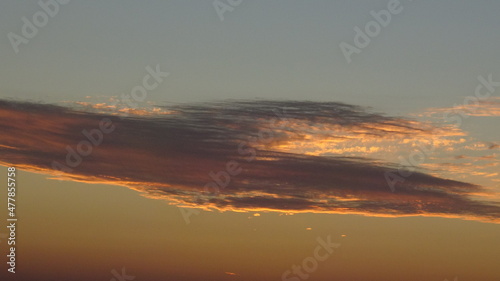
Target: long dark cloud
[(227, 156)]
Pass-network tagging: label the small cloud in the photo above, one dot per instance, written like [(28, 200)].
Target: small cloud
[(343, 235), (483, 108), (231, 273), (308, 228), (256, 215)]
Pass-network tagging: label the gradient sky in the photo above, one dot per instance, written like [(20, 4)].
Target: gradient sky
[(424, 63)]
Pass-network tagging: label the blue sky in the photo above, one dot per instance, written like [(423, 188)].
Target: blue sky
[(429, 55)]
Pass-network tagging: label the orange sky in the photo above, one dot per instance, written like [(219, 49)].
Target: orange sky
[(101, 228)]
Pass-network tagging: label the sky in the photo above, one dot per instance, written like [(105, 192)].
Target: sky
[(229, 139)]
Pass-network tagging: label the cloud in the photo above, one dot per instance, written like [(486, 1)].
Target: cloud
[(481, 108), (237, 155)]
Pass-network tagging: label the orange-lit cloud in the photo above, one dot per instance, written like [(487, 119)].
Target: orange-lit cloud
[(249, 150), (475, 107)]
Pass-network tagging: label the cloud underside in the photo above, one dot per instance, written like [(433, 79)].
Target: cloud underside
[(230, 156)]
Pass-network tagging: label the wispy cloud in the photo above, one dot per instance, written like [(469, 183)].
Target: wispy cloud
[(480, 107), (171, 156)]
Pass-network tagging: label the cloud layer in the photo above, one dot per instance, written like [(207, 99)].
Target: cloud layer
[(237, 155)]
